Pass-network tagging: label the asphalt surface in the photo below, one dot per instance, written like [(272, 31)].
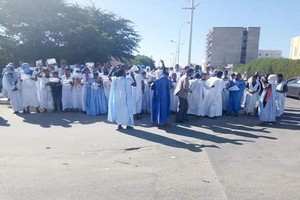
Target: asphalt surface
[(75, 156)]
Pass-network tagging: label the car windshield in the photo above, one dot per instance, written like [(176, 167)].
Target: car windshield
[(292, 81)]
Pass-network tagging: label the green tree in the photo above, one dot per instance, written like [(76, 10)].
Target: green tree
[(142, 60), (39, 29)]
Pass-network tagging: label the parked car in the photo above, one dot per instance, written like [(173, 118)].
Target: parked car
[(294, 87)]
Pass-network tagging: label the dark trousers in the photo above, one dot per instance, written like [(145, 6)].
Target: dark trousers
[(57, 96), (183, 108)]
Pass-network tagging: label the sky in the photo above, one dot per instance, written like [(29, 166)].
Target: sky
[(159, 21)]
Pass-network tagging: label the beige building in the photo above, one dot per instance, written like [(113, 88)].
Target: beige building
[(295, 48)]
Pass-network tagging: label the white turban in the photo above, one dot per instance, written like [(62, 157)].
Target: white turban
[(272, 78), (9, 67), (148, 69), (159, 73)]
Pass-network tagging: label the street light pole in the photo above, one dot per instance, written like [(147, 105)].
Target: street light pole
[(191, 33), (179, 43)]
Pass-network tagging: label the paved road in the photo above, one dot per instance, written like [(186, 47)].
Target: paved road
[(75, 156)]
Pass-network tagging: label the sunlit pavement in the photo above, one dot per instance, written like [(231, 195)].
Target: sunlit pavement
[(75, 156)]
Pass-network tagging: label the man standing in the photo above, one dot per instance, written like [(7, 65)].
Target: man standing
[(195, 99), (29, 88), (56, 89), (161, 98), (13, 86), (213, 97), (225, 93), (252, 93), (182, 90), (46, 99), (67, 86), (178, 71), (281, 88), (174, 101), (267, 102), (121, 102), (233, 103), (86, 89), (137, 92)]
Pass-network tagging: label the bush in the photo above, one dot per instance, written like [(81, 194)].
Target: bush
[(289, 68)]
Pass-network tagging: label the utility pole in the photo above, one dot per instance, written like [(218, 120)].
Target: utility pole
[(192, 8)]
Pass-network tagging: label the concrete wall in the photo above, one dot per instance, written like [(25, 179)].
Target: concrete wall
[(252, 44), (269, 54), (227, 44)]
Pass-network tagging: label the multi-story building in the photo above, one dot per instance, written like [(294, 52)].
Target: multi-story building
[(231, 46), (295, 48), (269, 54)]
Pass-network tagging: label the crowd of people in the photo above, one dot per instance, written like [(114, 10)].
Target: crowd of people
[(124, 94)]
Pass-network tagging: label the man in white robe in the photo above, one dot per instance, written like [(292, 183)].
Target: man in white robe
[(174, 100), (106, 83), (29, 88), (137, 92), (195, 99), (252, 92), (225, 94), (85, 93), (178, 72), (146, 94), (281, 89), (13, 85), (267, 102), (46, 101), (67, 87), (213, 97), (121, 102), (5, 92)]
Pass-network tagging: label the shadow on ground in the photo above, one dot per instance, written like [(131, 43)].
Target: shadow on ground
[(245, 127), (159, 139), (64, 119), (4, 122)]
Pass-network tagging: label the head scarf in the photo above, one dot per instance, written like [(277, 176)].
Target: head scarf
[(10, 68), (272, 78), (26, 68), (159, 73), (148, 69)]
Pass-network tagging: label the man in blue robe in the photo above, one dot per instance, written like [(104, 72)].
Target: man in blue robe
[(235, 95), (161, 98), (241, 85)]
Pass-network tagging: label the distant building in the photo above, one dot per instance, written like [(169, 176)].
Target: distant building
[(231, 46), (269, 54), (295, 48)]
